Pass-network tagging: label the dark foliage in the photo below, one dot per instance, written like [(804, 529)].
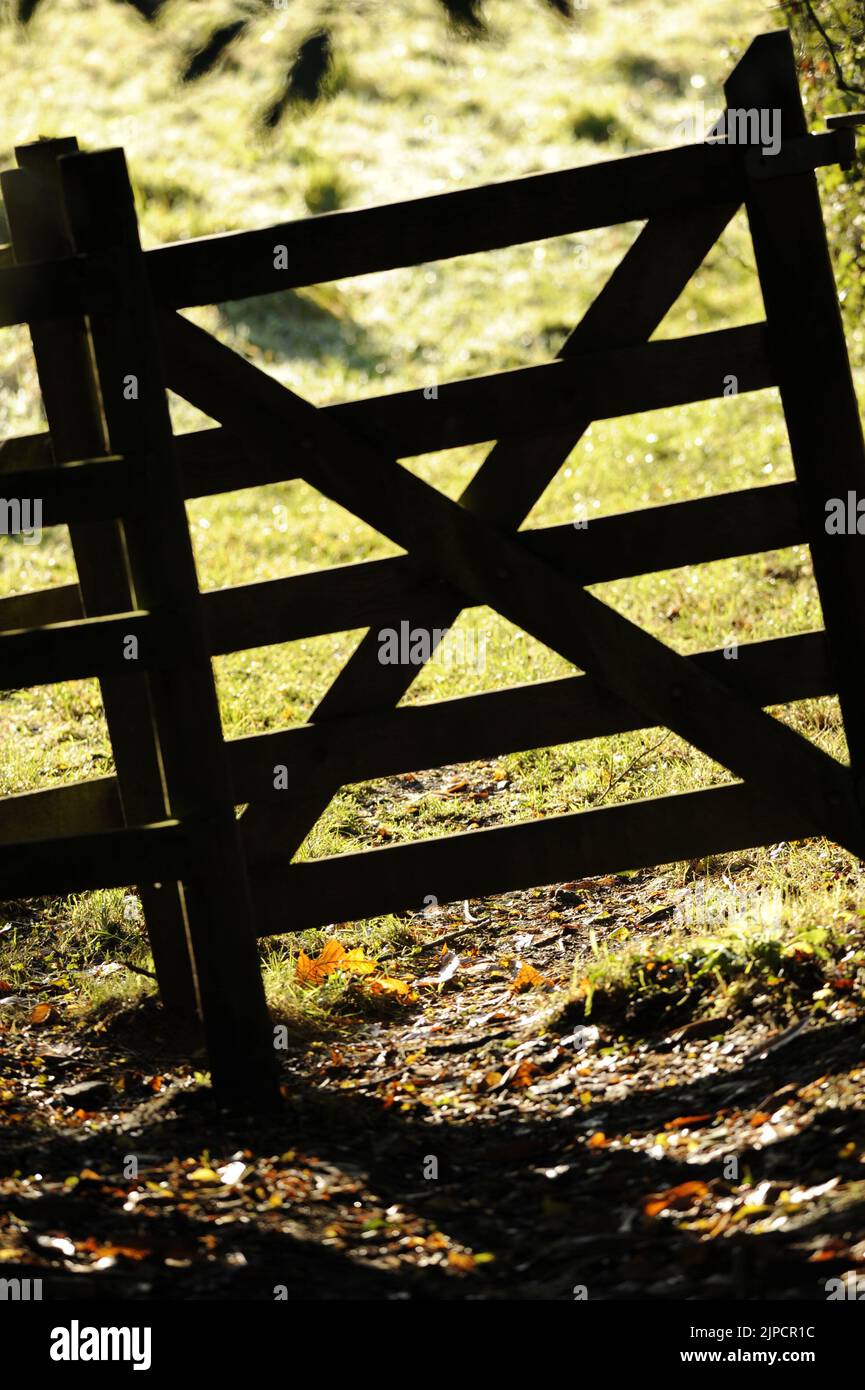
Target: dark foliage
[(830, 42), (833, 35)]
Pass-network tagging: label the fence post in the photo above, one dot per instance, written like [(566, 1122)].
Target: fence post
[(809, 354), (64, 366), (101, 215)]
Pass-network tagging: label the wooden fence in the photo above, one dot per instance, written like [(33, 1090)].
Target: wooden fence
[(101, 311)]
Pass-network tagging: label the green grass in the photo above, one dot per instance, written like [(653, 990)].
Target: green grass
[(415, 110), (784, 967)]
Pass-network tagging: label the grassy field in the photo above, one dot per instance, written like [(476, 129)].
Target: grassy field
[(414, 110)]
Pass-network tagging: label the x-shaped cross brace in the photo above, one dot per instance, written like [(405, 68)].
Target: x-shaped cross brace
[(470, 544)]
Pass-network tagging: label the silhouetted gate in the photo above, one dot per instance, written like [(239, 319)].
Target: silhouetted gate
[(108, 342)]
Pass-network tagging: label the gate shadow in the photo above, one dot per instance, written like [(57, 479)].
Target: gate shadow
[(554, 1214)]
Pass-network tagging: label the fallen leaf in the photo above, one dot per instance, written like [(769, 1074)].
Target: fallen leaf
[(232, 1173), (205, 1175), (357, 963), (59, 1243), (42, 1013), (313, 970), (449, 967), (526, 978), (130, 1249), (388, 984), (524, 1074), (675, 1198), (458, 1259)]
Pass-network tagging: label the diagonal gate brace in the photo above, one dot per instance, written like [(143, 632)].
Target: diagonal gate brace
[(491, 568)]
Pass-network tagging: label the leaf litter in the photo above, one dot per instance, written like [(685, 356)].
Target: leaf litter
[(479, 1142)]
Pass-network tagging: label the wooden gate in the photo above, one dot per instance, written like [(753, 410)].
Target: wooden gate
[(104, 314)]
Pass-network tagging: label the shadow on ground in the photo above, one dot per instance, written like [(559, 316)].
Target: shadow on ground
[(527, 1188)]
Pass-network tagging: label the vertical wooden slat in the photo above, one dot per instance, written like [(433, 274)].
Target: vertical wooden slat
[(101, 215), (64, 365), (809, 354)]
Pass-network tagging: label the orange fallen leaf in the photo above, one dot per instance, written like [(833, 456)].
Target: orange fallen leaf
[(675, 1198), (357, 963), (524, 1074), (526, 978), (42, 1013), (458, 1259), (687, 1121), (312, 970), (127, 1250), (388, 984), (598, 1140)]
